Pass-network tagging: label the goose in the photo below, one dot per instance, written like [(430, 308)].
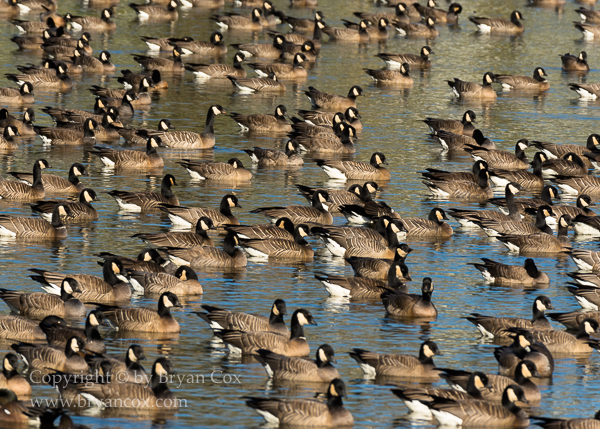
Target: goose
[(294, 369), (468, 191), (356, 170), (464, 126), (12, 96), (129, 366), (17, 191), (318, 212), (304, 25), (499, 25), (206, 256), (574, 423), (377, 31), (273, 157), (495, 327), (163, 65), (249, 342), (555, 150), (456, 176), (189, 216), (20, 328), (7, 141), (419, 368), (280, 248), (153, 395), (146, 201), (378, 269), (183, 282), (540, 243), (426, 29), (325, 142), (588, 15), (156, 12), (516, 82), (406, 305), (219, 319), (11, 379), (397, 77), (473, 90), (364, 288), (92, 23), (318, 117), (34, 228), (524, 347), (449, 16), (307, 48), (332, 102), (495, 228), (306, 412), (574, 319), (239, 22), (266, 51), (395, 61), (23, 126), (299, 39), (148, 260), (575, 62), (355, 35), (63, 136), (522, 204), (139, 135), (399, 14), (501, 159), (525, 179), (132, 159), (124, 105), (586, 91), (132, 80), (586, 279), (282, 70), (58, 333), (182, 239), (459, 142), (587, 260), (586, 225), (304, 129), (88, 64), (232, 170), (215, 71), (511, 275), (570, 165), (433, 226), (191, 140), (214, 47), (141, 319), (80, 210), (276, 123), (93, 289), (283, 229), (46, 358), (589, 31), (258, 84), (589, 185), (585, 293), (354, 195), (60, 81)]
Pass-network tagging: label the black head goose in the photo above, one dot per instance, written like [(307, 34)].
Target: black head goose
[(336, 103), (523, 83), (378, 269), (20, 328), (396, 77), (46, 358), (215, 71), (512, 275), (433, 226), (540, 243), (526, 179), (12, 96), (570, 165), (181, 239), (282, 229), (34, 229), (261, 123), (132, 159), (18, 191), (421, 61), (499, 25), (147, 201), (354, 35), (80, 210), (230, 257), (59, 82), (213, 47), (283, 368), (73, 136), (281, 248), (239, 22), (92, 23), (495, 227), (464, 126), (426, 29), (411, 305), (575, 62), (473, 90), (318, 212), (156, 12), (356, 170), (268, 51), (233, 170), (258, 84)]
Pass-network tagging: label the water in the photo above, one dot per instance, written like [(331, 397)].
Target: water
[(391, 118)]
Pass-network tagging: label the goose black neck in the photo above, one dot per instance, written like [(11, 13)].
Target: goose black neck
[(201, 231), (482, 179), (317, 33), (540, 222), (56, 220), (109, 275), (158, 385), (513, 210), (210, 121), (163, 310), (392, 238), (424, 359), (64, 295), (520, 153), (297, 328), (165, 188), (37, 175), (563, 231), (546, 196), (299, 239), (133, 365), (334, 402), (9, 374), (150, 150), (472, 389), (533, 272), (537, 166), (380, 227), (69, 352), (510, 406), (393, 281), (224, 208), (229, 244), (91, 331)]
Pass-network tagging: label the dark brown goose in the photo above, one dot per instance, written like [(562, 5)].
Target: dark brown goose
[(426, 29), (181, 239), (355, 195), (80, 210), (7, 141), (469, 218), (589, 185), (332, 102), (89, 64), (575, 62), (249, 342), (499, 25), (266, 51), (397, 77), (563, 343), (303, 25), (273, 157), (378, 269), (184, 282), (456, 176), (399, 14), (317, 117), (586, 292), (63, 136), (412, 306), (23, 126), (339, 142), (467, 191), (139, 135), (201, 257), (163, 65), (318, 212), (12, 380), (147, 201), (570, 165), (57, 184), (156, 12), (464, 126), (299, 39), (17, 191), (459, 142), (449, 16), (524, 347), (258, 84), (281, 248), (526, 179), (12, 96), (473, 90), (356, 170), (557, 150), (419, 368), (165, 44), (587, 260), (512, 275), (353, 35), (60, 81), (548, 193), (131, 159), (214, 47), (283, 368), (28, 228), (524, 83), (283, 70), (495, 228), (213, 71), (231, 171), (276, 123), (92, 23), (540, 243), (46, 358), (188, 216)]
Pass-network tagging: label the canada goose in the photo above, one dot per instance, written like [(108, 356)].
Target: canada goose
[(56, 184), (467, 191), (548, 192), (355, 35), (589, 185), (23, 126), (220, 319), (299, 39), (588, 260), (7, 141), (449, 17), (306, 412), (333, 102), (129, 366), (317, 213), (276, 123), (303, 25), (156, 12), (92, 289), (273, 157), (378, 269), (456, 176), (586, 91), (138, 135), (587, 295), (11, 379), (249, 342), (258, 84), (212, 71), (575, 62), (524, 347), (282, 70), (304, 129), (283, 368), (588, 15), (473, 90), (188, 216), (239, 22), (268, 51), (69, 136), (46, 358), (153, 395), (499, 25), (81, 210), (131, 159), (317, 117), (147, 201), (232, 170), (395, 61), (536, 83), (23, 95), (183, 282), (464, 126), (511, 275), (58, 333), (574, 319), (123, 105), (41, 6), (281, 248), (92, 23), (406, 305), (148, 260), (470, 218), (207, 256), (398, 15), (364, 288), (589, 31), (586, 225), (576, 423), (78, 115), (419, 368), (356, 170), (21, 329), (398, 77), (307, 48), (18, 191), (354, 195), (132, 80), (89, 64), (214, 47), (340, 142), (60, 81), (495, 228), (140, 319), (166, 44), (426, 29), (181, 239), (585, 279), (35, 228), (377, 31), (433, 226), (164, 65), (493, 327), (561, 342), (570, 165), (525, 179), (11, 8), (540, 243)]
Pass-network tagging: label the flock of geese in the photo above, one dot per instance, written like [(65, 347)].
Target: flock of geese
[(371, 242)]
